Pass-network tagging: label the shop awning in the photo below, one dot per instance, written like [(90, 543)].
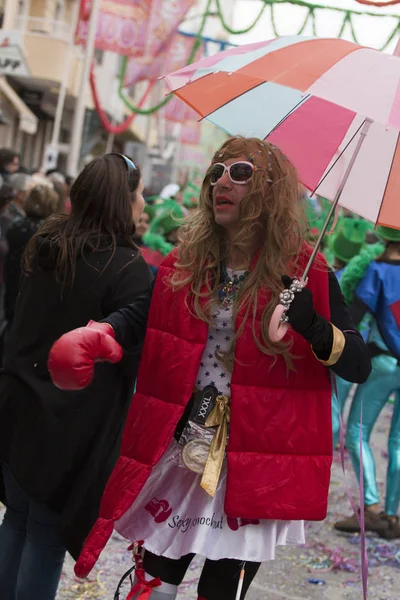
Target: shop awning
[(28, 122)]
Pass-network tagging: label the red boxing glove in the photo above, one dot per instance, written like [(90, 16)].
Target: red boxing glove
[(73, 356)]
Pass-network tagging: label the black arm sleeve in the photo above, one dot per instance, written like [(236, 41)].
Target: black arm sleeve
[(354, 364), (357, 310), (130, 323)]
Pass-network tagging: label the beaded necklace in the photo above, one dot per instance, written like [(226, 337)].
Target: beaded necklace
[(229, 287)]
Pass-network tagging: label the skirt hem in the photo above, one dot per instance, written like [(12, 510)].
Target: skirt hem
[(212, 556)]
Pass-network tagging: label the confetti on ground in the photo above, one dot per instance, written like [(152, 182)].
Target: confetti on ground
[(327, 556)]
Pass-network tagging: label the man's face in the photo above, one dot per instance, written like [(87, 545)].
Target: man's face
[(13, 166), (227, 197), (142, 225)]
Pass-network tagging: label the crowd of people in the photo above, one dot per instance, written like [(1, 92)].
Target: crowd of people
[(141, 390), (26, 199), (367, 264)]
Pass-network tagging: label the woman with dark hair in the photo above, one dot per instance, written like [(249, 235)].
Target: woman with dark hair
[(58, 448)]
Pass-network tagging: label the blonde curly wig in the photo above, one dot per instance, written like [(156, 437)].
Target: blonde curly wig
[(273, 209)]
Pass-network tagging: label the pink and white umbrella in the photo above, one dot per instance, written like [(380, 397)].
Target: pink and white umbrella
[(331, 106), (311, 97)]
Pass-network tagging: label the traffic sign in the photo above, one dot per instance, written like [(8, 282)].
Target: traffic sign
[(12, 60), (50, 158)]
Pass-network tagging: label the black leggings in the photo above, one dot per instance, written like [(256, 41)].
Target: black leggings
[(219, 578)]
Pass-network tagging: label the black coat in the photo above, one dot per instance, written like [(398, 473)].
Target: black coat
[(61, 446), (18, 235)]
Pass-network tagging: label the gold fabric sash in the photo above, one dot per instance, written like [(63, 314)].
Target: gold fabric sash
[(339, 342), (219, 417)]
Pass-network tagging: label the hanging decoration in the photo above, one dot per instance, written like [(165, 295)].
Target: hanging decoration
[(209, 41), (177, 111), (312, 9), (165, 18), (189, 155), (378, 4), (137, 28), (84, 10), (106, 123), (121, 27), (145, 33), (149, 111), (173, 56), (191, 132), (140, 28)]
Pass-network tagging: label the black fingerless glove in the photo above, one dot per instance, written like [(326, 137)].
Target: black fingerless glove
[(301, 313), (309, 324)]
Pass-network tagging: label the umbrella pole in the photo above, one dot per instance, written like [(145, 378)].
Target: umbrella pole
[(363, 134)]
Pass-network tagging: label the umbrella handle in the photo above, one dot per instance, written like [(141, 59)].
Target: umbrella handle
[(277, 330)]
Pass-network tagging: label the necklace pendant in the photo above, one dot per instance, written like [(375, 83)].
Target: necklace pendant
[(229, 287), (226, 302)]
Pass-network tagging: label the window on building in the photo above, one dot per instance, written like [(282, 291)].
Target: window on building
[(59, 10), (22, 7), (65, 136), (99, 57)]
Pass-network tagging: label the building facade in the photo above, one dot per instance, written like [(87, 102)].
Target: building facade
[(44, 32)]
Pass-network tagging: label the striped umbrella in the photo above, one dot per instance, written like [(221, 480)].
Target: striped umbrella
[(332, 106), (316, 99)]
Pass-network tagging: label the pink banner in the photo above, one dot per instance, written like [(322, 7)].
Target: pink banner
[(178, 111), (121, 27), (133, 27), (193, 155), (190, 132), (170, 129), (165, 18), (174, 110), (174, 55)]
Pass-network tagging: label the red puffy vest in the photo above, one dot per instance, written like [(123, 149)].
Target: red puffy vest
[(280, 445), (152, 257)]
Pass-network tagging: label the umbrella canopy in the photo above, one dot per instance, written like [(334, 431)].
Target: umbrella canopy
[(311, 98)]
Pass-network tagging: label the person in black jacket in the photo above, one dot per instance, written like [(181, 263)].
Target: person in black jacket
[(57, 448), (9, 162), (7, 195), (41, 202)]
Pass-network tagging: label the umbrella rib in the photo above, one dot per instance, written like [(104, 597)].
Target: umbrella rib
[(340, 155), (388, 179), (223, 103), (292, 110)]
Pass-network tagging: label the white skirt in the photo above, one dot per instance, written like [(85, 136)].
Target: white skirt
[(175, 516)]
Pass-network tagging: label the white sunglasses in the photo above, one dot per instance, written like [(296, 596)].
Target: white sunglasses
[(239, 172)]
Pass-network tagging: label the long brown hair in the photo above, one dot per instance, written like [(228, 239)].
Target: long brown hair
[(272, 205), (101, 211)]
